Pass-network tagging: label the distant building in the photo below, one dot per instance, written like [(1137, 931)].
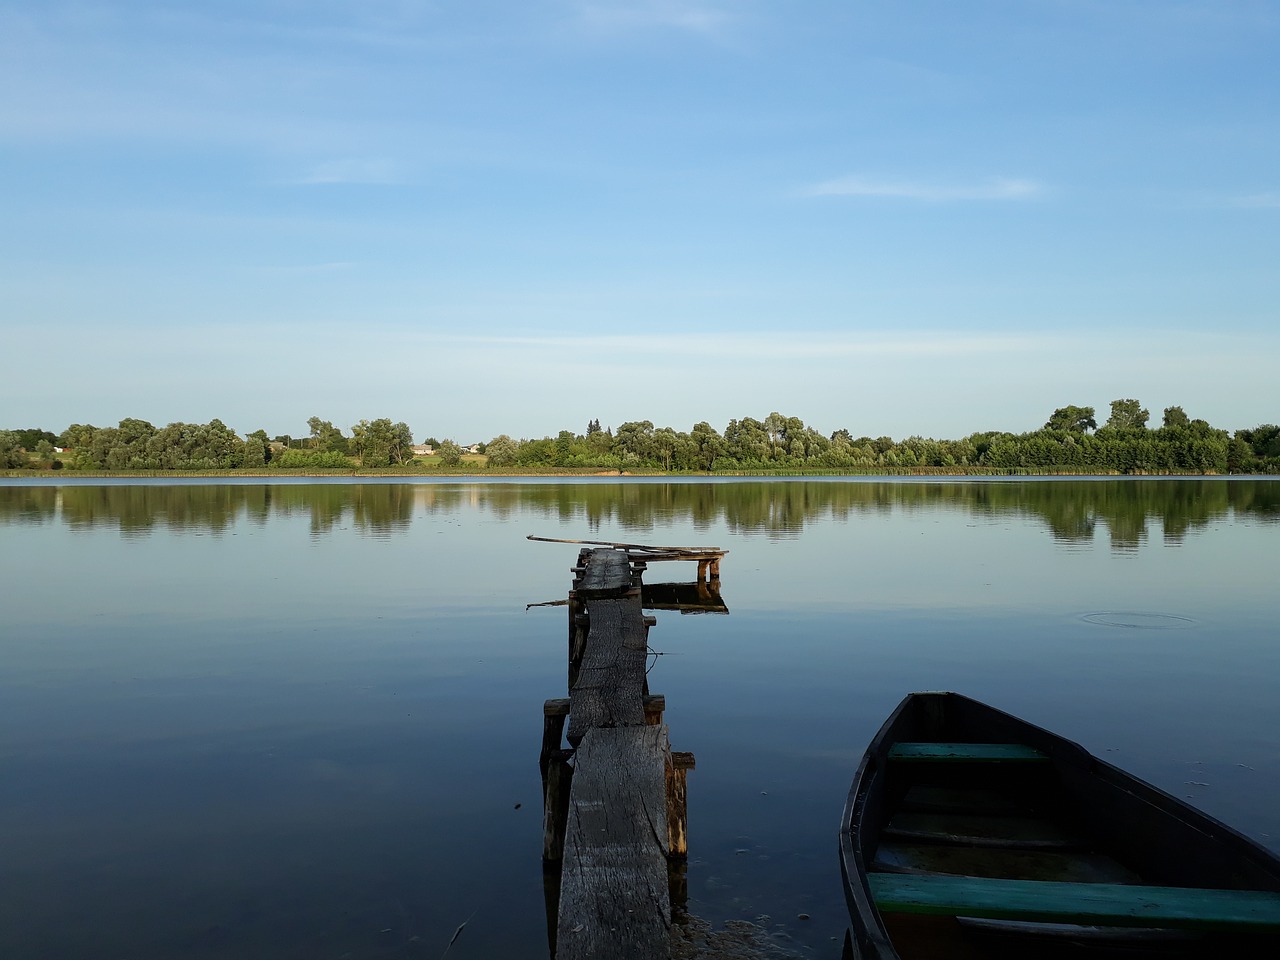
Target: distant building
[(423, 450)]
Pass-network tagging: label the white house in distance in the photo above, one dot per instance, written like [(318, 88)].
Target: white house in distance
[(423, 450)]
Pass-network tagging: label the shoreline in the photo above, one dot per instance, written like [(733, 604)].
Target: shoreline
[(483, 474)]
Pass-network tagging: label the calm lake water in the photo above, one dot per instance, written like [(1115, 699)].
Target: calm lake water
[(302, 720)]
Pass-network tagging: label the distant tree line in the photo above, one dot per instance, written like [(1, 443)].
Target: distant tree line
[(1069, 442), (138, 445)]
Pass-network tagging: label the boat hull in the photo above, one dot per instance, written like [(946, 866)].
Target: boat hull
[(957, 797)]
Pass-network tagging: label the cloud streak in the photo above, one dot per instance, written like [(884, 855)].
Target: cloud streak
[(616, 16), (1258, 201), (997, 188), (356, 170)]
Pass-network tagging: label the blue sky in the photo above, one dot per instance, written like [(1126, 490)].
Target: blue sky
[(483, 217)]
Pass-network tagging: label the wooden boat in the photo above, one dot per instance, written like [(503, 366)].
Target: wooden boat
[(970, 833)]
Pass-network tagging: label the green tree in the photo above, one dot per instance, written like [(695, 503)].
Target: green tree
[(747, 442), (32, 436), (1175, 417), (450, 453), (12, 453), (708, 444), (1074, 419), (380, 443), (501, 451), (76, 435), (325, 436), (257, 449), (1128, 415), (634, 442)]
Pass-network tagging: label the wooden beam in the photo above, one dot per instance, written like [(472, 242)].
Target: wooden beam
[(557, 786), (1083, 903), (677, 772), (610, 681), (614, 890), (606, 573)]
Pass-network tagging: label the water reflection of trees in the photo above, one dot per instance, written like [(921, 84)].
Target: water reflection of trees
[(1072, 511)]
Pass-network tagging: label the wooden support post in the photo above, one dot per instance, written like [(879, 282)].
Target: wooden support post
[(678, 887), (555, 806), (654, 707), (579, 628), (703, 566), (678, 767), (553, 714), (715, 569)]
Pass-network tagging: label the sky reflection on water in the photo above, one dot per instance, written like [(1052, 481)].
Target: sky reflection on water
[(295, 720)]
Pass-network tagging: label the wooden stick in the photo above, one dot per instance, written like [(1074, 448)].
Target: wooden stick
[(630, 546)]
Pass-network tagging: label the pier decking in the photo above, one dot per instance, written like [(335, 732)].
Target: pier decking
[(615, 816)]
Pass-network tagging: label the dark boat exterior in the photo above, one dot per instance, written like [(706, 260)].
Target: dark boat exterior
[(970, 833)]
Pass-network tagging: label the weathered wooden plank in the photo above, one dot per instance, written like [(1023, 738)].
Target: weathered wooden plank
[(609, 686), (614, 896), (929, 798), (1014, 864), (977, 829), (1100, 903), (967, 752), (605, 573)]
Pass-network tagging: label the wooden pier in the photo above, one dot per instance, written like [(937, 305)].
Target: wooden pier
[(615, 815)]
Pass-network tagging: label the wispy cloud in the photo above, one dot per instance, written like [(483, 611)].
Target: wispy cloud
[(770, 347), (1258, 201), (998, 188), (352, 170), (618, 16)]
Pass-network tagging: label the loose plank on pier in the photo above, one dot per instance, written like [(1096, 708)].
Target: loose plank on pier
[(614, 896)]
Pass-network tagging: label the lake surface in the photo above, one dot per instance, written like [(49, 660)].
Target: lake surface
[(302, 719)]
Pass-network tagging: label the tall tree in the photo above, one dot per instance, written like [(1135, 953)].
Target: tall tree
[(1176, 417), (12, 453), (325, 436), (501, 451), (380, 443), (1075, 419), (634, 441), (450, 453), (1128, 414)]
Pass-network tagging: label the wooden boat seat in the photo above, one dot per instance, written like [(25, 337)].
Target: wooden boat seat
[(894, 856), (967, 829), (1078, 903), (967, 752)]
